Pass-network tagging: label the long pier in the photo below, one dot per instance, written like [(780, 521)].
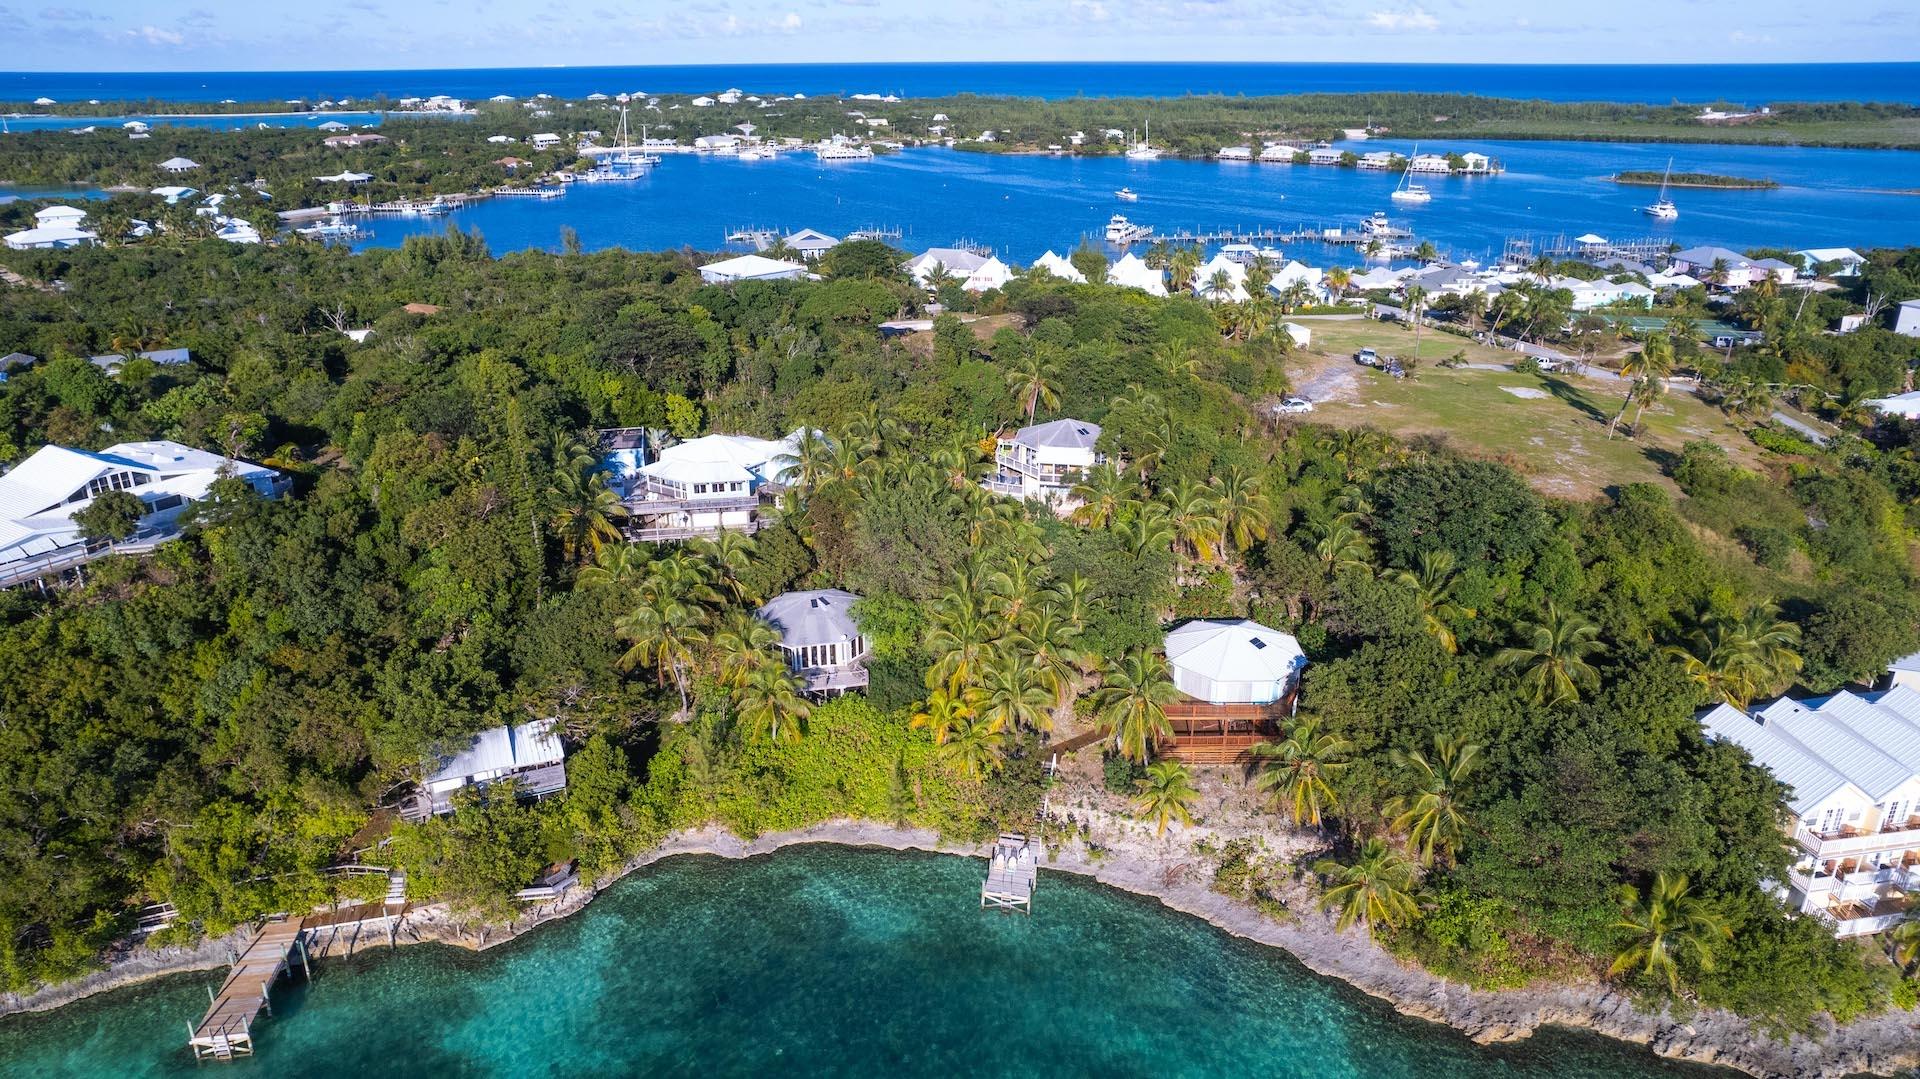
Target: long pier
[(226, 1031)]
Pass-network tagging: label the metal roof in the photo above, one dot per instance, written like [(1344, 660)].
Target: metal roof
[(819, 616), (1870, 741), (1239, 650), (1061, 434), (503, 749)]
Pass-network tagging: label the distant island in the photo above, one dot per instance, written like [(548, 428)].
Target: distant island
[(1652, 178)]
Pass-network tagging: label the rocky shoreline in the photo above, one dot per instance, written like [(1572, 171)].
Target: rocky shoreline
[(1171, 873)]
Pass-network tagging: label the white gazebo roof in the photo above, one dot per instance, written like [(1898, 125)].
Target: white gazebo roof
[(1060, 268), (819, 616), (1131, 272), (1233, 651), (991, 274)]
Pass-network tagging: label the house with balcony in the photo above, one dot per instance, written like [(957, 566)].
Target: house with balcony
[(820, 638), (1853, 763), (1045, 461), (528, 756), (697, 487), (41, 495), (1237, 678)]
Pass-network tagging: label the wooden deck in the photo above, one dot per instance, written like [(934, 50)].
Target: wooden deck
[(1219, 734), (226, 1031), (1011, 874)]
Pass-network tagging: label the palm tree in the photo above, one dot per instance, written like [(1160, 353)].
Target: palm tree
[(1219, 286), (1375, 889), (585, 508), (742, 643), (771, 700), (809, 464), (940, 714), (1433, 586), (1031, 379), (1166, 793), (1905, 940), (1101, 494), (1668, 924), (1342, 549), (1133, 703), (1425, 252), (728, 554), (1149, 527), (1473, 306), (1554, 661), (1431, 815), (1654, 362), (959, 640), (1338, 279), (1046, 637), (1737, 659), (1244, 511), (619, 566), (1181, 268), (663, 631), (959, 459), (1012, 696), (1196, 518), (1295, 771), (1416, 306), (975, 745)]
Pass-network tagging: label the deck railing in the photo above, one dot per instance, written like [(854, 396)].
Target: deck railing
[(79, 554)]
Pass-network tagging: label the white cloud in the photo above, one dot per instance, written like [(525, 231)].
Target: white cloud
[(791, 23), (153, 35), (1741, 37), (1088, 10), (1395, 22)]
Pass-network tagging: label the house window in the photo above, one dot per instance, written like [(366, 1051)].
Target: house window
[(164, 503)]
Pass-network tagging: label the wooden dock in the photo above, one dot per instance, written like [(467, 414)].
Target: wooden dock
[(1011, 874), (226, 1031)]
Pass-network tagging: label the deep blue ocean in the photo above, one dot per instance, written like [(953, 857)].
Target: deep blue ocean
[(816, 961), (1749, 84)]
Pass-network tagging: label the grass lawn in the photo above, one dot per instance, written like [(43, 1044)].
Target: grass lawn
[(1551, 428)]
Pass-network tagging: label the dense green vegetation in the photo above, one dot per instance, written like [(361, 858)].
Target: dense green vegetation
[(1496, 734), (1650, 178)]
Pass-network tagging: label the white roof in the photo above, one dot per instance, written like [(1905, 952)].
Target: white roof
[(1905, 404), (811, 240), (1060, 434), (716, 459), (346, 178), (1220, 263), (1908, 662), (820, 616), (1060, 268), (504, 749), (991, 274), (179, 163), (1131, 272), (750, 267), (1590, 238), (1870, 741), (48, 236), (59, 215), (1832, 254), (952, 259), (1234, 651)]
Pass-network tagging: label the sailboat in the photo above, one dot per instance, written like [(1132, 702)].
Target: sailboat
[(1411, 192), (1144, 151), (1663, 207)]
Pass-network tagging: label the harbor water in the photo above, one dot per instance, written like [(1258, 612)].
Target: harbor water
[(816, 960)]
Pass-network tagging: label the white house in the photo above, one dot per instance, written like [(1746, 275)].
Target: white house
[(1904, 671), (331, 125), (1060, 268), (40, 496), (1235, 153), (751, 268), (65, 217), (1220, 279), (173, 193), (1906, 318), (1133, 272), (1429, 163), (1741, 271), (1324, 155), (989, 275), (698, 487), (1294, 273), (49, 237), (544, 140), (1233, 661), (701, 102), (1904, 405), (528, 755), (810, 244), (822, 642), (1045, 461), (1849, 261), (1853, 763), (1298, 334), (178, 164), (955, 261)]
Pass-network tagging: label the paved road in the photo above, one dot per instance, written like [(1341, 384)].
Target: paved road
[(1813, 434)]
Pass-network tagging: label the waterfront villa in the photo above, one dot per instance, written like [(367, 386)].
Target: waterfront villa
[(1741, 271), (1324, 155), (1133, 272), (751, 268), (810, 244), (1237, 677), (41, 495), (822, 642), (1853, 763), (528, 755), (699, 487), (1045, 461), (1235, 153), (1060, 268), (1429, 163)]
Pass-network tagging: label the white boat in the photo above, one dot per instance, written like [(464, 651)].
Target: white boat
[(1123, 232), (1663, 208), (1144, 151), (842, 152), (1377, 225), (752, 155), (1411, 192), (1127, 194)]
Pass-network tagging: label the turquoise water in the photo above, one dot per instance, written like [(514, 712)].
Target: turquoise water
[(815, 960)]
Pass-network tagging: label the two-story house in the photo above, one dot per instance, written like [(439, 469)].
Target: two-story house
[(822, 642), (1853, 763), (698, 487), (1045, 461)]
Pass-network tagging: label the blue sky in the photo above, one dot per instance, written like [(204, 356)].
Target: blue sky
[(131, 35)]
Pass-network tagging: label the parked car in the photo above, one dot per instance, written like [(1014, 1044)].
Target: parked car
[(1393, 368), (1294, 405), (1367, 357)]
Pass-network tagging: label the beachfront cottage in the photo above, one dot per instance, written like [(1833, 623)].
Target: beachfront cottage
[(1238, 676), (528, 755), (699, 487), (1853, 763), (178, 164), (1045, 461), (822, 642), (810, 244), (41, 495), (1132, 272), (1060, 268), (751, 268)]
